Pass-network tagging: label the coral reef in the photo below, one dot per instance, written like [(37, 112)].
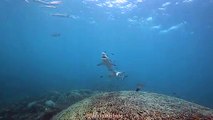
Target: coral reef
[(43, 107), (131, 105)]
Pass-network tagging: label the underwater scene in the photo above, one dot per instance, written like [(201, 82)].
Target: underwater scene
[(106, 60)]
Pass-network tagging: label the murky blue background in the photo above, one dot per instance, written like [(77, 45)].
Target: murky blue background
[(165, 45)]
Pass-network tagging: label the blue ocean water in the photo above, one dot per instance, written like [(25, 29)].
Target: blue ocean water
[(166, 45)]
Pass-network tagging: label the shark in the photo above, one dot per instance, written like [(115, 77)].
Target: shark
[(106, 61)]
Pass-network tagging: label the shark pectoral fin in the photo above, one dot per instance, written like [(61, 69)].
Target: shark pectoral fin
[(99, 64)]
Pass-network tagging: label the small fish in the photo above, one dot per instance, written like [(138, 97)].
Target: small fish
[(187, 1), (139, 87), (56, 35), (101, 76), (61, 15), (27, 1), (49, 6), (41, 2), (166, 4), (55, 2), (175, 27), (74, 17), (162, 9), (156, 27), (149, 19), (48, 3)]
